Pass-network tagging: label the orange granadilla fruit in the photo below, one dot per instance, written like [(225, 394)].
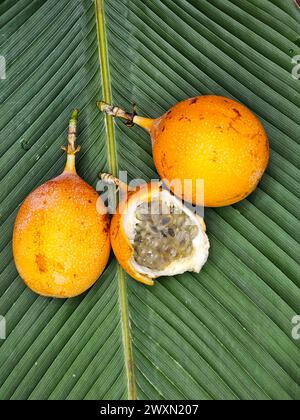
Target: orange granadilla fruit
[(153, 234), (61, 236), (209, 138)]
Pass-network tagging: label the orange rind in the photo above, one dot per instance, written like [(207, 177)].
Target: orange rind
[(207, 138), (61, 236), (123, 233)]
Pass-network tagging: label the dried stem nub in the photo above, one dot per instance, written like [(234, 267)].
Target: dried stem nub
[(72, 148), (112, 180), (115, 111)]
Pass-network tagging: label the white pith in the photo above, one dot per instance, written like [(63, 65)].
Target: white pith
[(193, 263)]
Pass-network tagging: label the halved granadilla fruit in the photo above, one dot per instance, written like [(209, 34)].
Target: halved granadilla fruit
[(153, 234)]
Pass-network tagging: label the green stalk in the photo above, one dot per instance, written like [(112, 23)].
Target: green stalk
[(113, 164), (106, 84)]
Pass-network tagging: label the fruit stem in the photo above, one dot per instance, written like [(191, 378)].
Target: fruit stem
[(112, 180), (131, 118), (72, 149), (72, 133)]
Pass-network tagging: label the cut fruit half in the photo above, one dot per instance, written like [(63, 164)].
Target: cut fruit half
[(153, 234)]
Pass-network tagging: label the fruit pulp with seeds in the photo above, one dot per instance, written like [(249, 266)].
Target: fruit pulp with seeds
[(163, 235)]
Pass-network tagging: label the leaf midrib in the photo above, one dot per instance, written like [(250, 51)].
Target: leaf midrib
[(113, 167)]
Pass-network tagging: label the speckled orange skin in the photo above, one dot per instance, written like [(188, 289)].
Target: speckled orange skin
[(215, 139), (121, 246), (60, 242)]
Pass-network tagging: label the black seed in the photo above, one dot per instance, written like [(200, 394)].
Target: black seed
[(171, 232)]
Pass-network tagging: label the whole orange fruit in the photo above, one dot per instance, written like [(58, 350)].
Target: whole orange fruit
[(61, 236), (209, 138)]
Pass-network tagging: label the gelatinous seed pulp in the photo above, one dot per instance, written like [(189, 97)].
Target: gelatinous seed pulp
[(163, 235)]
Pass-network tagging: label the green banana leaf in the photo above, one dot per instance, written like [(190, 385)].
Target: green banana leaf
[(223, 334)]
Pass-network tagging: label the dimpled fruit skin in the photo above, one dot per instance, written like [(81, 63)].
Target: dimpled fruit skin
[(61, 243), (215, 139)]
